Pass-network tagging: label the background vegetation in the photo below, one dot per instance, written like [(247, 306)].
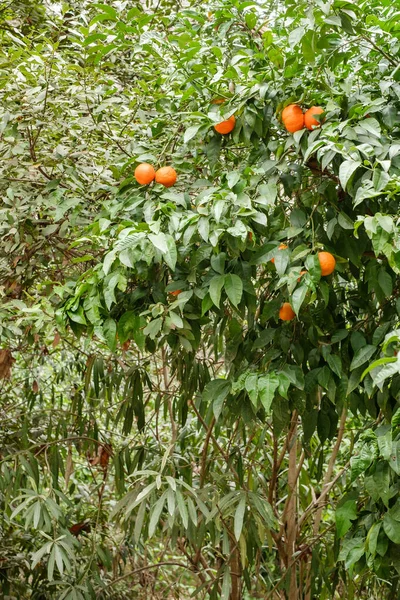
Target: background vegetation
[(163, 433)]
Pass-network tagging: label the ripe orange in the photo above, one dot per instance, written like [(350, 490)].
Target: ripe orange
[(226, 126), (327, 262), (309, 120), (166, 176), (281, 247), (144, 173), (293, 118), (286, 313)]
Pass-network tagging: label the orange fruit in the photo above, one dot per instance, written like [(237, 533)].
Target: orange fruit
[(144, 173), (166, 176), (293, 118), (301, 275), (281, 247), (327, 262), (175, 293), (286, 312), (309, 120), (226, 126)]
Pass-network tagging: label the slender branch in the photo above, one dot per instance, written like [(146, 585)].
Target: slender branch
[(378, 49), (298, 557), (204, 453), (290, 520), (165, 563), (323, 495), (331, 464)]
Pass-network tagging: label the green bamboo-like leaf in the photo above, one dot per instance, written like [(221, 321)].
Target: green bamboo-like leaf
[(182, 509), (155, 513), (239, 517)]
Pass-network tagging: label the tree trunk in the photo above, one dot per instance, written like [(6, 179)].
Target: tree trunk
[(291, 516), (236, 576)]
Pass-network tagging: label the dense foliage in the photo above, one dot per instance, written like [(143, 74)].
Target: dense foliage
[(164, 433)]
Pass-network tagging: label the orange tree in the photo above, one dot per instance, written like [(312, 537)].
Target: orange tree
[(199, 374)]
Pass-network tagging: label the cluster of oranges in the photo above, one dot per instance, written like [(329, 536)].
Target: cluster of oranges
[(327, 263), (145, 173), (294, 119)]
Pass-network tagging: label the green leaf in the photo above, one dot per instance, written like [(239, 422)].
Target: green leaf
[(215, 392), (394, 460), (391, 528), (335, 363), (110, 333), (267, 385), (361, 461), (216, 285), (233, 288), (381, 479), (232, 178), (385, 283), (346, 170), (153, 328), (381, 361), (109, 10), (191, 132), (226, 585), (372, 537), (344, 515), (239, 517), (384, 439), (139, 521), (264, 338), (182, 509), (362, 356), (155, 514), (298, 297)]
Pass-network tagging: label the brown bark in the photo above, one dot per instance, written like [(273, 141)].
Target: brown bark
[(236, 575), (291, 514), (325, 486)]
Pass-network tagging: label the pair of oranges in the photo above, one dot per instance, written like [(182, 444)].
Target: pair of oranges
[(145, 173), (327, 263), (294, 119)]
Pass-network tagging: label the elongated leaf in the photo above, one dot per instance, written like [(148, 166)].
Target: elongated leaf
[(216, 285), (182, 509), (226, 585), (216, 391), (239, 517), (267, 385), (156, 512), (361, 356), (298, 298), (346, 170), (233, 288), (391, 528)]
